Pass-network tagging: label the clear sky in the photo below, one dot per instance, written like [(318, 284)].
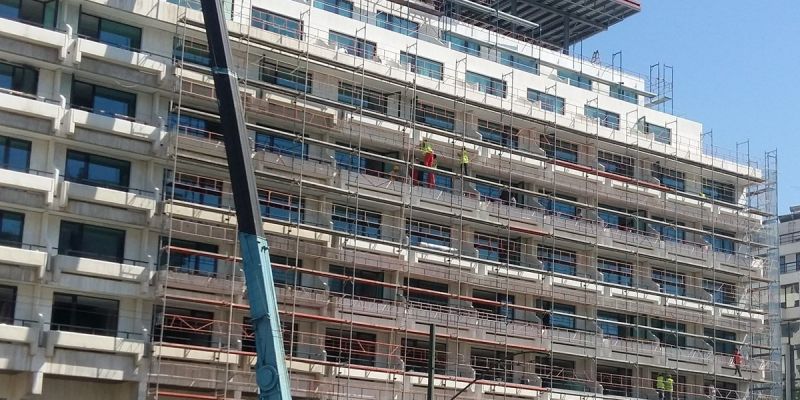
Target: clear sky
[(737, 70)]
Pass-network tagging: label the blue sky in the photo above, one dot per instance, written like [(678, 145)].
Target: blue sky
[(736, 66)]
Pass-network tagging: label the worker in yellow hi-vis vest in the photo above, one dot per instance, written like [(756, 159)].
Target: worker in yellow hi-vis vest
[(464, 162), (669, 387), (660, 386)]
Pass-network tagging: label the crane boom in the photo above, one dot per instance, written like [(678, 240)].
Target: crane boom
[(272, 376)]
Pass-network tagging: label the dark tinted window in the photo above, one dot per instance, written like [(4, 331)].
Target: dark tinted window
[(11, 226), (15, 154), (189, 262), (84, 314), (94, 170), (98, 242), (103, 100), (8, 301), (110, 32), (18, 78)]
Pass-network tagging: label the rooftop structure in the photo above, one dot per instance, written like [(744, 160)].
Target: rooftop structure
[(590, 243)]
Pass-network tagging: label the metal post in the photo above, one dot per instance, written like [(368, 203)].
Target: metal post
[(431, 360)]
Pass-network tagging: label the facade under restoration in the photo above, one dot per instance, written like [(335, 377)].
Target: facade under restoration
[(591, 242)]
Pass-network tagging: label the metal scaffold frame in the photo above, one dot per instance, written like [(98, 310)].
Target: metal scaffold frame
[(522, 365)]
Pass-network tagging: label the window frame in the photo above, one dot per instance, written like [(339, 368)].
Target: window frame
[(292, 206), (462, 44), (669, 282), (616, 272), (364, 223), (435, 116), (88, 160), (608, 119), (22, 78), (335, 6), (487, 84), (280, 144), (281, 75), (65, 245), (361, 97), (7, 144), (394, 23), (437, 234), (557, 260), (358, 48), (519, 61), (6, 239), (547, 102), (44, 21), (277, 23), (558, 149), (192, 264), (124, 98), (8, 304), (616, 163), (422, 66), (99, 27), (75, 315), (191, 51)]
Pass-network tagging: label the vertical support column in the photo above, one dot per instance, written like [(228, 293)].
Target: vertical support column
[(431, 359)]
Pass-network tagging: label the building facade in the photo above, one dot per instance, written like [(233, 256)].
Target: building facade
[(789, 239), (419, 163)]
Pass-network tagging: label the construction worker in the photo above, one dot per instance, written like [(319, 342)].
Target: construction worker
[(660, 385), (428, 159), (669, 386), (738, 359), (464, 162)]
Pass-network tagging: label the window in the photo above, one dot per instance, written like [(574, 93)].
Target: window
[(350, 347), (436, 117), (341, 7), (502, 309), (669, 333), (485, 84), (428, 286), (719, 190), (670, 178), (351, 161), (547, 102), (94, 170), (562, 208), (558, 374), (492, 365), (618, 91), (422, 66), (615, 163), (559, 149), (279, 24), (558, 261), (498, 249), (191, 51), (724, 342), (83, 314), (15, 154), (720, 241), (415, 356), (353, 46), (617, 218), (18, 78), (189, 125), (287, 77), (660, 133), (557, 315), (359, 222), (291, 339), (281, 206), (281, 145), (615, 272), (575, 79), (498, 192), (520, 62), (397, 24), (725, 390), (350, 287), (503, 135), (184, 326), (721, 292), (360, 97), (195, 189), (33, 12), (190, 4), (91, 241), (617, 381), (110, 32), (606, 118), (421, 232), (462, 44), (190, 263), (286, 276), (103, 100), (8, 302), (670, 282), (668, 231), (617, 325)]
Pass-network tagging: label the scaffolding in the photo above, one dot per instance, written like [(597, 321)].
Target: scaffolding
[(567, 258)]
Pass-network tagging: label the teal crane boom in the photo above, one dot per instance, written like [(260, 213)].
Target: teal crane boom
[(272, 376)]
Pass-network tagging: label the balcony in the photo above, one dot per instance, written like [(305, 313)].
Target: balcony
[(32, 41), (137, 137), (133, 199), (22, 111), (25, 256), (98, 344), (126, 278), (199, 354), (142, 68)]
